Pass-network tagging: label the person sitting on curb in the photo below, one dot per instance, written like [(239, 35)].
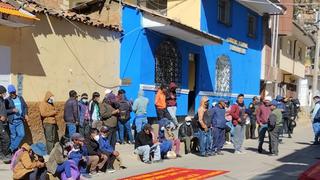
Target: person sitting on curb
[(28, 162), (186, 134), (168, 134), (144, 145), (106, 149)]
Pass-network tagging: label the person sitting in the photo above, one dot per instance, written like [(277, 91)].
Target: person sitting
[(58, 162), (145, 145), (174, 141), (186, 134), (106, 149), (28, 162), (96, 159)]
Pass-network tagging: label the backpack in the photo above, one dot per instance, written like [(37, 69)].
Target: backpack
[(15, 158), (125, 109)]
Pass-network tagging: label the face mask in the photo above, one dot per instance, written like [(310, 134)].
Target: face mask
[(188, 123), (76, 149), (50, 100), (104, 136), (84, 100), (96, 137)]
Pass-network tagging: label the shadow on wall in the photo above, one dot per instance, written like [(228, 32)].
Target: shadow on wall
[(295, 164)]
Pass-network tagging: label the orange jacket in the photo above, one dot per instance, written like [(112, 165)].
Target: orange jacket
[(160, 100)]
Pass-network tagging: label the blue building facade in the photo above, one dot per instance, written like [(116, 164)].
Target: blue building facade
[(218, 71)]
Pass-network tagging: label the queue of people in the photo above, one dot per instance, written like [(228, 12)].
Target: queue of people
[(93, 130)]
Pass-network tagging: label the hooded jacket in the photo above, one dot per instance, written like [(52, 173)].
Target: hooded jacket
[(203, 115), (160, 100), (140, 104), (47, 110), (172, 95), (24, 163)]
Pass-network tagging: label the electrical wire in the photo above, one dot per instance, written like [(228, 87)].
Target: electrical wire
[(280, 3)]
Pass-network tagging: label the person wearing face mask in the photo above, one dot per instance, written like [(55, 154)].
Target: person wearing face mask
[(96, 159), (186, 134), (205, 128), (107, 149), (238, 120), (218, 121), (109, 114), (84, 116), (17, 113), (4, 130), (48, 115)]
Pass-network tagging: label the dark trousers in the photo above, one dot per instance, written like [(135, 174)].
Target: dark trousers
[(110, 161), (274, 139), (4, 141), (253, 126), (163, 113), (286, 125), (262, 133), (51, 135), (218, 138), (84, 129), (247, 131), (112, 136), (38, 173)]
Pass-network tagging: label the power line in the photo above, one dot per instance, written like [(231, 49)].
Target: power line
[(292, 4)]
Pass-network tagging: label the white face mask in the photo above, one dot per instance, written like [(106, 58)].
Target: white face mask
[(188, 123), (51, 100), (96, 137), (104, 136)]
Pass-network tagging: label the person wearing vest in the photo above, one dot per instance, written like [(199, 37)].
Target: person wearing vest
[(17, 113), (238, 120), (274, 127), (262, 114), (205, 128)]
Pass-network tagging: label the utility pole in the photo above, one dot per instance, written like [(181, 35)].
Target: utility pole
[(316, 58)]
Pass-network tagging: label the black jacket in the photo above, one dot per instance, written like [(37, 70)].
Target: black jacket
[(3, 111), (143, 139), (92, 147), (185, 131)]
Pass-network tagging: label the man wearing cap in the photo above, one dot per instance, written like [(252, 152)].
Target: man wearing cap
[(315, 117), (106, 148), (71, 113), (186, 134), (4, 130), (17, 112), (218, 121), (263, 113), (144, 145), (274, 127)]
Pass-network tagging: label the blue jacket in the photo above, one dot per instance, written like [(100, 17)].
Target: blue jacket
[(218, 119), (104, 145), (10, 106), (76, 156)]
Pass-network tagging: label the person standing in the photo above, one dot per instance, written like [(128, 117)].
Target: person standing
[(274, 127), (84, 116), (17, 113), (288, 115), (172, 103), (125, 109), (186, 134), (71, 114), (4, 130), (109, 114), (263, 113), (48, 115), (94, 109), (253, 118), (140, 109), (161, 105), (315, 117), (218, 121), (205, 127), (238, 120)]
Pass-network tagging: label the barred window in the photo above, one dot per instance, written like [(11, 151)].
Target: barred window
[(223, 74), (168, 64)]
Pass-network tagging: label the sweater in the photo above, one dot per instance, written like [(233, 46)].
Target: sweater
[(262, 114)]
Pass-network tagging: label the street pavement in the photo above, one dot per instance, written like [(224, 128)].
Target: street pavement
[(295, 156)]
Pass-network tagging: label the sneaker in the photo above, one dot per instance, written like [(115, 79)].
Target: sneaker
[(158, 161), (273, 154), (239, 152), (111, 170), (220, 153), (148, 162), (211, 154), (228, 142)]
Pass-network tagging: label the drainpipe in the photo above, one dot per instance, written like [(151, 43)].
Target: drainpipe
[(276, 48)]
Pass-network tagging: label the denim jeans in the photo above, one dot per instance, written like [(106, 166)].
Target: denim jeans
[(38, 173), (262, 133), (71, 128), (173, 111), (140, 122), (316, 130), (205, 142), (125, 126), (16, 134), (146, 150), (165, 147), (238, 137), (64, 167)]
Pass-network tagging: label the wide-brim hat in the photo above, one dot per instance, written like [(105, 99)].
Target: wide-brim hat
[(39, 149)]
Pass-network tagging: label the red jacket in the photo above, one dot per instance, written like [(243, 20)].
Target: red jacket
[(235, 113)]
